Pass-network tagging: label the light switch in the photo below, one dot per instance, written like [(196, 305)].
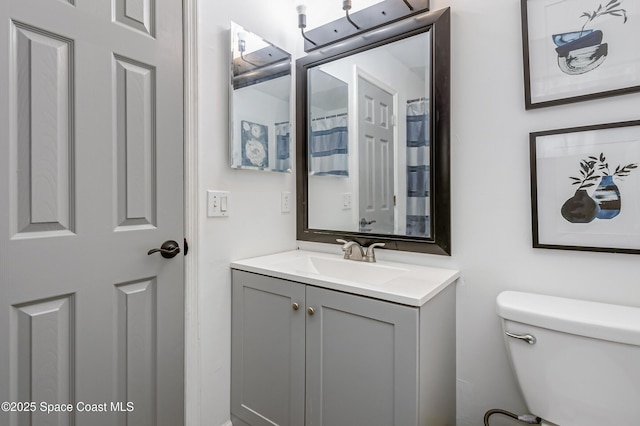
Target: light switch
[(217, 203), (285, 202), (346, 201)]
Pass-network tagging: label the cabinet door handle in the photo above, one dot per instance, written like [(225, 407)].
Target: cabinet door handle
[(295, 306), (310, 310)]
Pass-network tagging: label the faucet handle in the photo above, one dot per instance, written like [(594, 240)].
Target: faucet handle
[(346, 249), (371, 255), (349, 252)]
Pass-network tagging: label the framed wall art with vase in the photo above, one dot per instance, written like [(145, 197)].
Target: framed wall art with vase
[(575, 50), (585, 188)]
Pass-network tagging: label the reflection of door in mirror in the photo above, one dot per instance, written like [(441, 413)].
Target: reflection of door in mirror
[(392, 153), (376, 144), (386, 175)]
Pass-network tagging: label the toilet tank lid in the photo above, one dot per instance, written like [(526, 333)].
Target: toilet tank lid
[(603, 321)]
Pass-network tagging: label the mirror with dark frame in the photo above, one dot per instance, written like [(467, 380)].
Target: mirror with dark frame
[(373, 119), (259, 103)]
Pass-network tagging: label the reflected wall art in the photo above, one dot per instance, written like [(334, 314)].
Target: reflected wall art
[(255, 147)]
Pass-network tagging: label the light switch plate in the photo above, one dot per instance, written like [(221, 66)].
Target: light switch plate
[(218, 203), (285, 202), (347, 200)]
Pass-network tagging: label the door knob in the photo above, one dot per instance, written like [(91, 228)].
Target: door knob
[(168, 249), (364, 222)]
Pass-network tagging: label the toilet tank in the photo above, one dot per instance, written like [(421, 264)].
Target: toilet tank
[(584, 367)]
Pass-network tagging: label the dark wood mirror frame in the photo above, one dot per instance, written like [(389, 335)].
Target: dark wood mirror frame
[(438, 23)]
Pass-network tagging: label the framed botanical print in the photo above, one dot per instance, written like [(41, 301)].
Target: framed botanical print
[(576, 50), (585, 188)]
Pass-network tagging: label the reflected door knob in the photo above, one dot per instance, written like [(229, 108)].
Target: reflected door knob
[(168, 249), (364, 222)]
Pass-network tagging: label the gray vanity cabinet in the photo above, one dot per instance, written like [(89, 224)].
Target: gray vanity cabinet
[(304, 355), (361, 361), (267, 351)]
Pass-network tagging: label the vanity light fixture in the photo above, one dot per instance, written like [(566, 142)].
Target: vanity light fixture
[(302, 21), (242, 47), (375, 16), (242, 41), (346, 6)]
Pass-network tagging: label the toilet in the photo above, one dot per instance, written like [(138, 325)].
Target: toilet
[(577, 363)]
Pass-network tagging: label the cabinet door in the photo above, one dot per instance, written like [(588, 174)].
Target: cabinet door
[(362, 361), (267, 350)]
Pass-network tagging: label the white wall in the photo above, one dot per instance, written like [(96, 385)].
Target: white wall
[(491, 218), (255, 225), (491, 203)]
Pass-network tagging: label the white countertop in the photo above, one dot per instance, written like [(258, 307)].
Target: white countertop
[(403, 283)]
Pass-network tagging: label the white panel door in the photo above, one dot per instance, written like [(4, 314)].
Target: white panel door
[(375, 158), (91, 179)]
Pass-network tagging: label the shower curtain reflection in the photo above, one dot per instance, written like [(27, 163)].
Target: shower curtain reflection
[(418, 168), (329, 146), (283, 142)]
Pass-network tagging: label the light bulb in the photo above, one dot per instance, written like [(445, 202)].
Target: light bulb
[(302, 15), (242, 41)]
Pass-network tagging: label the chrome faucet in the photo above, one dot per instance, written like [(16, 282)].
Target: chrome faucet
[(370, 256), (354, 251)]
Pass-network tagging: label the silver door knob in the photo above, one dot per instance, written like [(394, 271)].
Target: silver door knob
[(295, 306), (168, 249), (310, 310)]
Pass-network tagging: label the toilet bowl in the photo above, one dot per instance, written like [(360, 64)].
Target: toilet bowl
[(576, 362)]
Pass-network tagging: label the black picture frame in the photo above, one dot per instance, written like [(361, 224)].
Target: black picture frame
[(603, 214), (566, 63)]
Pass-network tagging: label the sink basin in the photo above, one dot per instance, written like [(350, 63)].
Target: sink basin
[(346, 270), (403, 283)]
